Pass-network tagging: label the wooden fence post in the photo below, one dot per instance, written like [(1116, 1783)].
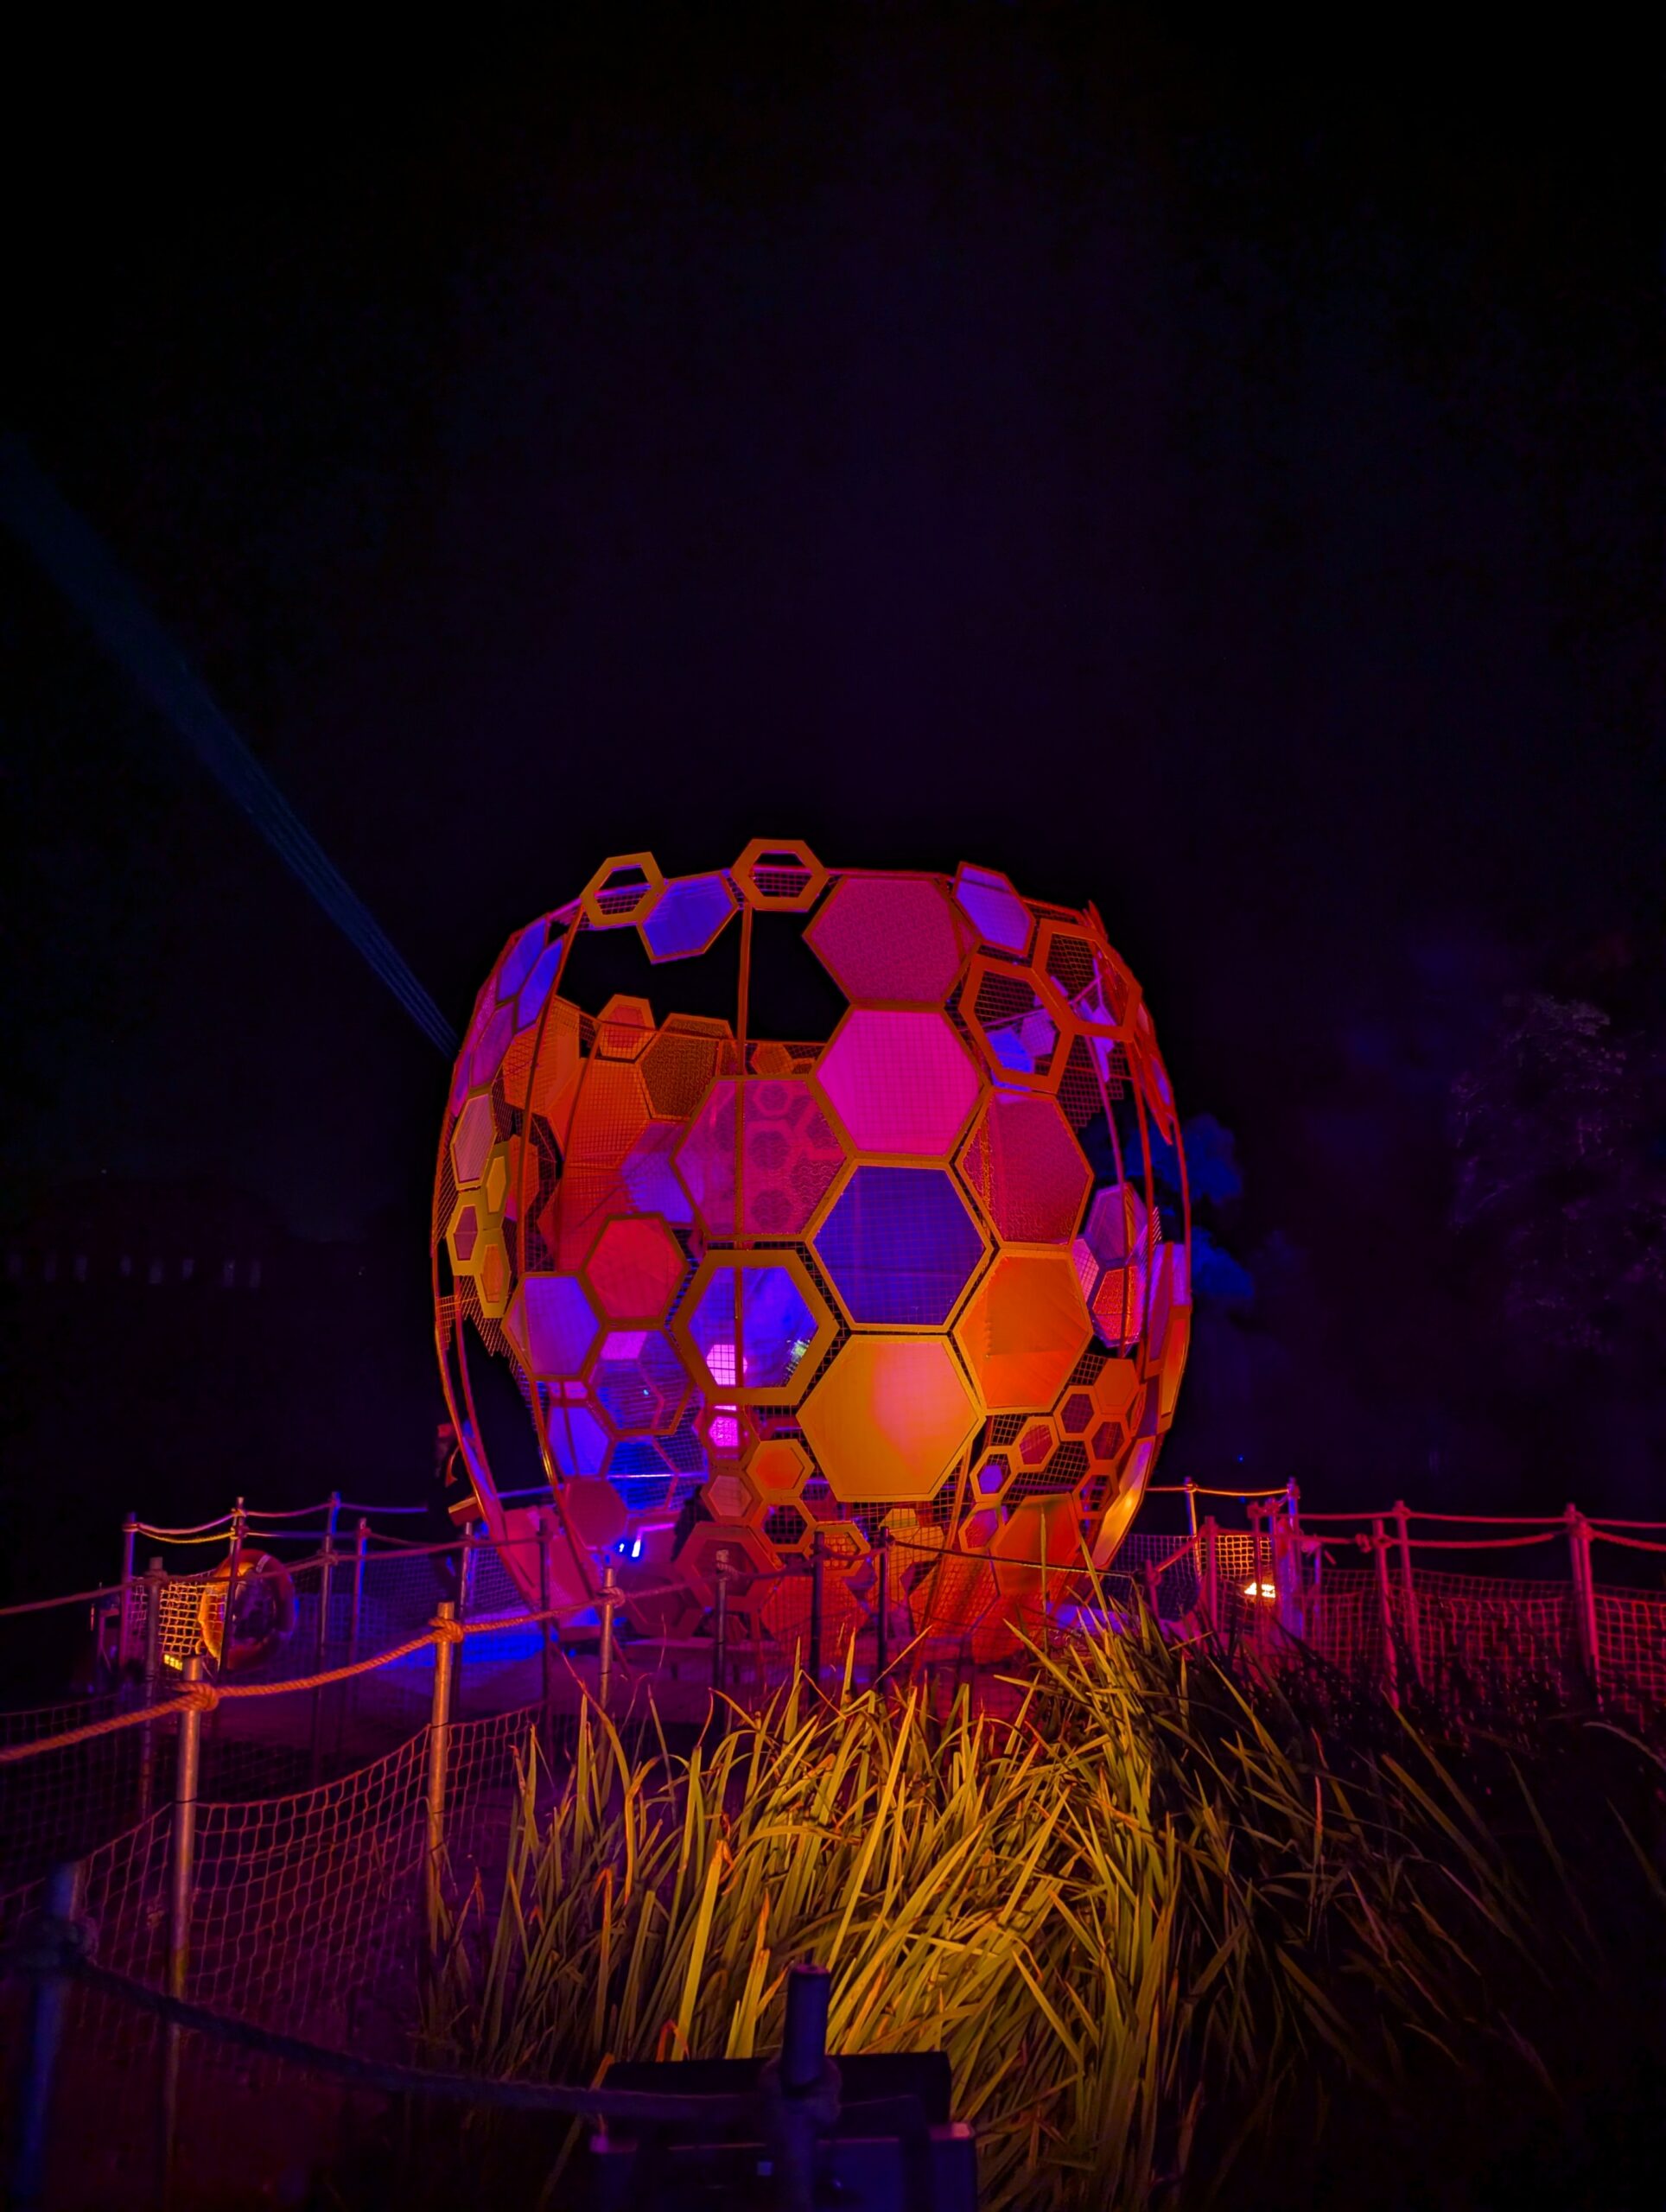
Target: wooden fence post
[(181, 1881), (124, 1626), (1390, 1656), (817, 1583), (542, 1533), (439, 1744), (1212, 1575), (882, 1609), (1586, 1636), (1408, 1591), (155, 1582), (54, 1937), (605, 1655), (720, 1632)]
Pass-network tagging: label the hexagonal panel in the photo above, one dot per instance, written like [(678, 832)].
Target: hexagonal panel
[(1024, 1329), (786, 1527), (900, 1247), (780, 1467), (518, 962), (679, 1066), (730, 1496), (624, 1028), (1086, 975), (1027, 1168), (1039, 1539), (726, 1430), (1076, 1414), (578, 1442), (622, 891), (462, 1234), (992, 908), (492, 1275), (636, 1269), (548, 1081), (750, 1555), (608, 1113), (791, 1154), (528, 1003), (552, 1325), (779, 875), (650, 1180), (901, 1083), (1021, 1027), (753, 1323), (890, 938), (471, 1138), (639, 1383), (494, 1183), (487, 1056), (690, 914), (890, 1418), (1112, 1256)]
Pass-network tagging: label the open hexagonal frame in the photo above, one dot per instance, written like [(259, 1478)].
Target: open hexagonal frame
[(723, 1261)]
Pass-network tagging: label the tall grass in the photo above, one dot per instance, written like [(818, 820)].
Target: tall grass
[(1149, 1918)]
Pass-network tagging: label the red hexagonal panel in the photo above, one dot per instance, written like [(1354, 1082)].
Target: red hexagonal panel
[(890, 936), (636, 1268), (1027, 1168)]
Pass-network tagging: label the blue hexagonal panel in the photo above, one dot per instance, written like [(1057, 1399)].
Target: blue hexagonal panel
[(900, 1247)]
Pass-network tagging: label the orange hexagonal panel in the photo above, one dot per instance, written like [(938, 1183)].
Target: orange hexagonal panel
[(622, 891), (608, 1113), (679, 1065), (890, 1418), (779, 875), (624, 1028), (1026, 1169), (1024, 1329), (901, 1082), (890, 938), (781, 1466), (636, 1269)]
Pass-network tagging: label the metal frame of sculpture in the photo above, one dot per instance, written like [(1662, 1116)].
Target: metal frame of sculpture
[(924, 1283)]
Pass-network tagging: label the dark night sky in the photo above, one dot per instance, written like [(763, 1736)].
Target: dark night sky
[(1218, 480)]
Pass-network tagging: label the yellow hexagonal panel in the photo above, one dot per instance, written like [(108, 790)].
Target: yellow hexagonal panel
[(890, 1418)]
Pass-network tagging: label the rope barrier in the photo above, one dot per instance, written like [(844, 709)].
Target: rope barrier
[(75, 1597), (1201, 1490), (57, 1948), (1631, 1543)]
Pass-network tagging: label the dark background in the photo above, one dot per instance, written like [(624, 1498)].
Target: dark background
[(1209, 472)]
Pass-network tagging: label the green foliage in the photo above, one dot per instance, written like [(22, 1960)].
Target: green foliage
[(1149, 1918)]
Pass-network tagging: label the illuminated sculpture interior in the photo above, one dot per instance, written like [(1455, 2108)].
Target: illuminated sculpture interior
[(928, 1286)]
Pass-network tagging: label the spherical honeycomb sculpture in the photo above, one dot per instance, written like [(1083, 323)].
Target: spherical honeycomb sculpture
[(921, 1283)]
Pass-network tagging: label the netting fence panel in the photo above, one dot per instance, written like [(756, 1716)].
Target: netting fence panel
[(1631, 1648)]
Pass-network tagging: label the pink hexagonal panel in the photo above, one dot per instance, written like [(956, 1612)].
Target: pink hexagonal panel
[(901, 1083)]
